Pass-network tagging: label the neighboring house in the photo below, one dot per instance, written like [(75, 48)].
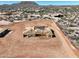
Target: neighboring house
[(32, 16), (46, 16)]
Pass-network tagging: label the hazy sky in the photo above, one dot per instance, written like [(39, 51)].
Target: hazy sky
[(46, 2), (58, 2)]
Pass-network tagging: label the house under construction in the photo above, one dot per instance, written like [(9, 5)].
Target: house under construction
[(38, 31)]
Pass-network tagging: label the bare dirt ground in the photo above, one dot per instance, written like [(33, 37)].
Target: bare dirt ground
[(15, 45)]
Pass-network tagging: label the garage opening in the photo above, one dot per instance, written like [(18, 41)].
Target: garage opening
[(4, 33)]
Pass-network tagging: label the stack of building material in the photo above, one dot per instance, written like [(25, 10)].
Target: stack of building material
[(4, 32)]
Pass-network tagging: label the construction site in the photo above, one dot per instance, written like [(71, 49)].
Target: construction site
[(37, 38)]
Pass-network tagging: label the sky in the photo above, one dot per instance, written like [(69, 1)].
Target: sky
[(58, 2), (45, 2)]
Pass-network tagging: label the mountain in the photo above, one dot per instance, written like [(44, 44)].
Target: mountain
[(23, 4), (28, 3)]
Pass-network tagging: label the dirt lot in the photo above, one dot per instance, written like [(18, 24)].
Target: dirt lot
[(15, 45)]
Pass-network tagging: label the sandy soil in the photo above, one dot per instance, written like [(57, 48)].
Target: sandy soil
[(15, 45)]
